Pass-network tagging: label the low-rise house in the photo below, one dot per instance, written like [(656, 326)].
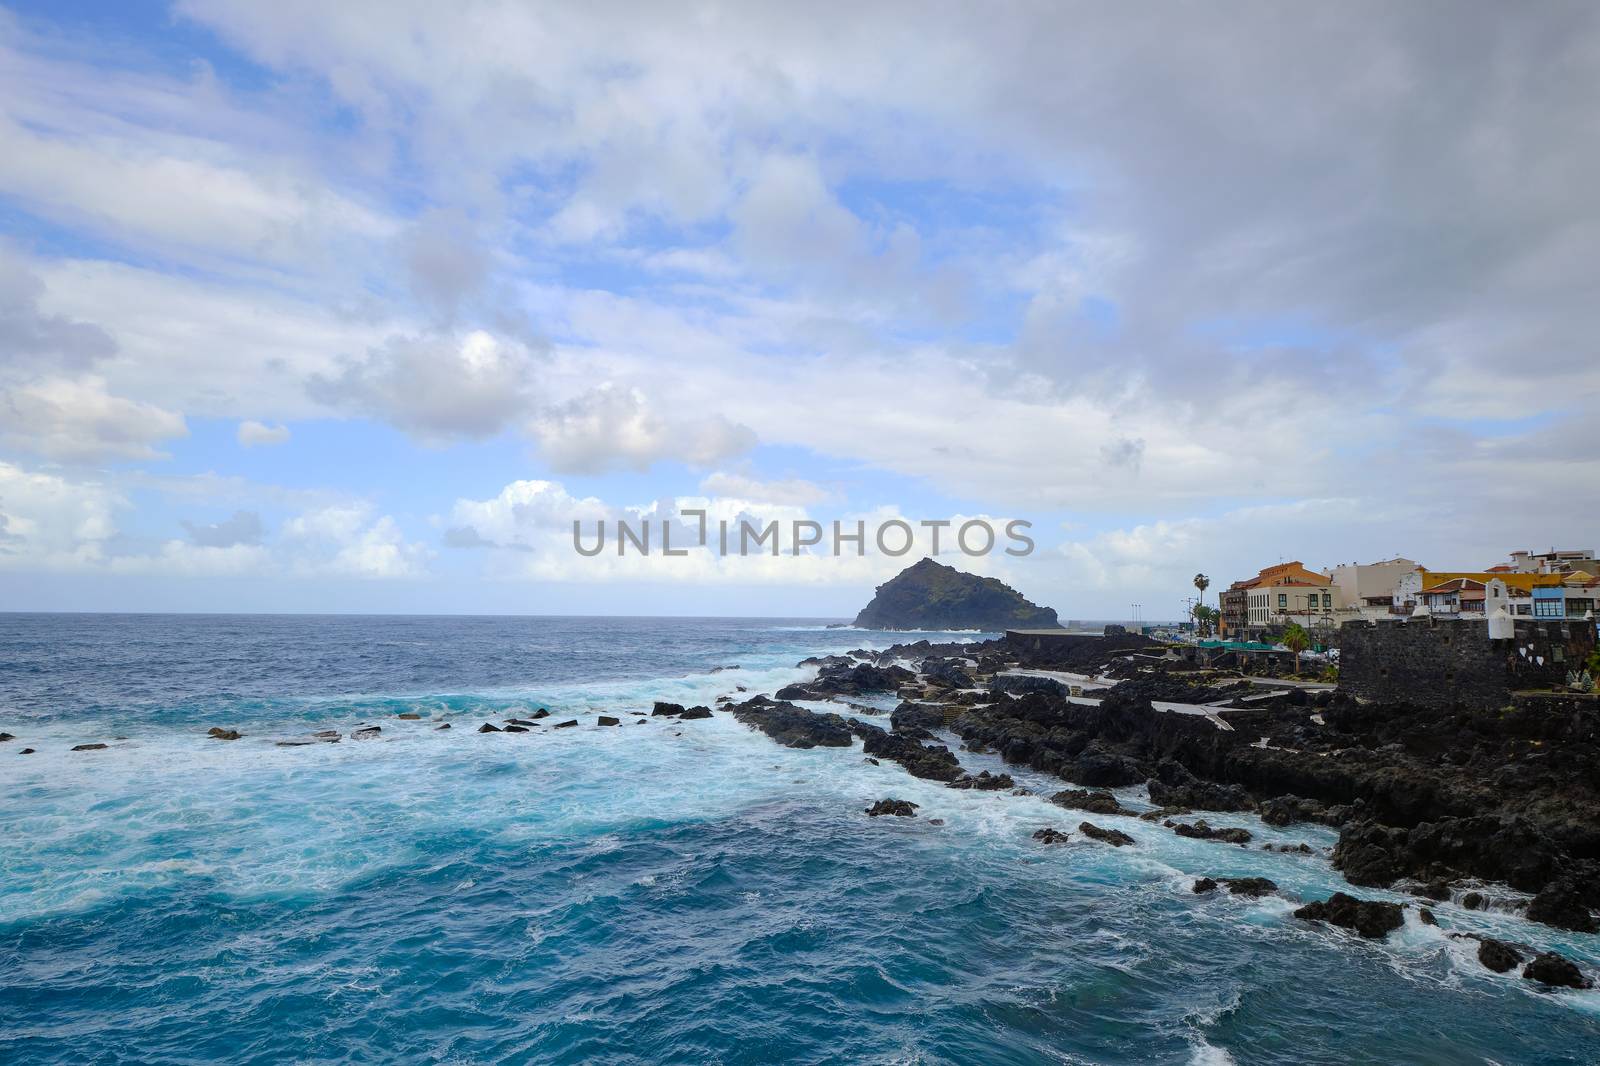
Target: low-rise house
[(1458, 596)]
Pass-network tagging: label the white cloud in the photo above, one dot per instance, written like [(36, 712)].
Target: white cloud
[(210, 348), (437, 386), (796, 491), (523, 515), (614, 426), (78, 420), (49, 522), (30, 339), (348, 541), (147, 185), (253, 434)]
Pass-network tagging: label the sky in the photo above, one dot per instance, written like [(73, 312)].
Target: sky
[(358, 306)]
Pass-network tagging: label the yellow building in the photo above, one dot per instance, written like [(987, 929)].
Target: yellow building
[(1288, 592)]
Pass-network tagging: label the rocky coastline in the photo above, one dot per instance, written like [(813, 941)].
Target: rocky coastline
[(1439, 805)]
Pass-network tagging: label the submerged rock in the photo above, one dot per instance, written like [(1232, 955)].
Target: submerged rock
[(515, 729), (1238, 886), (88, 747), (568, 724), (1372, 919), (984, 782), (444, 725), (1200, 830), (1050, 836), (606, 719), (896, 807), (1554, 970), (218, 733), (1497, 955), (1097, 801), (1115, 837), (25, 751), (409, 716), (691, 714), (488, 728), (5, 737), (365, 732)]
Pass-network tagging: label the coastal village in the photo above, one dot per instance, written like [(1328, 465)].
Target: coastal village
[(1397, 630)]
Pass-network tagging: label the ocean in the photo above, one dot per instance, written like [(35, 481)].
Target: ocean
[(672, 892)]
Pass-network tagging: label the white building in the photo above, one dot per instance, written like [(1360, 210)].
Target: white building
[(1366, 591)]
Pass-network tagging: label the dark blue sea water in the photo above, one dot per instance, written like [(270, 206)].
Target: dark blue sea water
[(685, 893)]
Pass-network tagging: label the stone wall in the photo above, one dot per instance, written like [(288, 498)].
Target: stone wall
[(1447, 663)]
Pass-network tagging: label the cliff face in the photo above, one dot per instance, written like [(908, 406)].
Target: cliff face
[(930, 595)]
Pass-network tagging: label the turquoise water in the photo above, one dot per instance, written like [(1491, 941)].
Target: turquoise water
[(658, 893)]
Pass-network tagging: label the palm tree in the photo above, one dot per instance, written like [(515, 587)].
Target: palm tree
[(1202, 583), (1297, 640)]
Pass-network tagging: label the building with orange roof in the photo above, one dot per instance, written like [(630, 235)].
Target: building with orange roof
[(1278, 595)]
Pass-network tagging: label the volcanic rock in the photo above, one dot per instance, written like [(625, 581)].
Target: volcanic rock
[(1115, 837), (1552, 969), (1200, 830), (931, 762), (899, 808), (984, 782), (1094, 801), (1372, 919), (930, 595), (1560, 904), (1497, 955), (793, 727)]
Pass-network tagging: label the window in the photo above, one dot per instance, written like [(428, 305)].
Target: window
[(1327, 600), (1283, 600)]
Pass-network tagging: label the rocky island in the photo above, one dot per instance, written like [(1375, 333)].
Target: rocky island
[(930, 595)]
